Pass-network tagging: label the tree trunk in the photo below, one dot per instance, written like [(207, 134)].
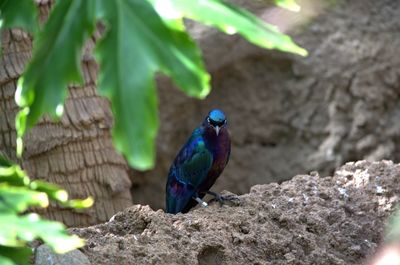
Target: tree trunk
[(75, 153)]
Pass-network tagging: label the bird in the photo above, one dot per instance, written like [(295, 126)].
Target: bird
[(198, 164)]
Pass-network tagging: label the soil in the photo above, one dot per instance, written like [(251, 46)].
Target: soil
[(306, 220)]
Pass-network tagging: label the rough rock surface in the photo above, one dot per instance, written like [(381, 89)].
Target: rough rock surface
[(307, 220), (288, 114)]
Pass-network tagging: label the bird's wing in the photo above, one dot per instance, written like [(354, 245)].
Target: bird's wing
[(188, 172), (196, 167)]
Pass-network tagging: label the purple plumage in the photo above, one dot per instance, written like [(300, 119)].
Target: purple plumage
[(198, 164)]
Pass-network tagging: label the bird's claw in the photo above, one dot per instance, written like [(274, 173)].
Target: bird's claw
[(223, 198), (230, 197)]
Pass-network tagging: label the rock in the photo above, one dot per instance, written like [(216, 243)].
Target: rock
[(45, 256), (306, 220)]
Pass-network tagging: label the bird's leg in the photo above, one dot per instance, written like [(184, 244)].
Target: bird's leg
[(217, 196), (200, 201), (221, 199)]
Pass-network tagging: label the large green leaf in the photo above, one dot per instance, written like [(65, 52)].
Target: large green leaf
[(230, 19), (18, 13), (16, 230), (136, 46), (55, 62), (138, 43)]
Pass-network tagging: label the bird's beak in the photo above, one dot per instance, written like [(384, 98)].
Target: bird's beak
[(217, 128)]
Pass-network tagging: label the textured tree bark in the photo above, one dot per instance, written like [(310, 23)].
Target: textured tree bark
[(76, 152)]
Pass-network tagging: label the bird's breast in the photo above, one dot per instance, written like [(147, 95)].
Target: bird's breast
[(220, 147)]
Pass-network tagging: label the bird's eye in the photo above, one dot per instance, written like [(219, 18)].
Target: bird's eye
[(216, 123)]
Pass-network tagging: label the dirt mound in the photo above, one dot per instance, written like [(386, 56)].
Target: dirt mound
[(307, 220)]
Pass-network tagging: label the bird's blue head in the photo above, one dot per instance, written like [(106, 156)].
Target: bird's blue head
[(216, 119)]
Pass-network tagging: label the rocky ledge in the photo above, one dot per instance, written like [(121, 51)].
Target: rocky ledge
[(307, 220)]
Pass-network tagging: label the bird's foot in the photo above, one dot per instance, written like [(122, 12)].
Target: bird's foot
[(200, 201), (224, 198)]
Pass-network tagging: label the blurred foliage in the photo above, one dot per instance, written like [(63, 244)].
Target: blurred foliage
[(288, 4), (18, 227), (393, 228), (21, 13), (141, 39)]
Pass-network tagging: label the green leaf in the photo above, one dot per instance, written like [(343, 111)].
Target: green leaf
[(18, 13), (7, 261), (12, 174), (18, 199), (55, 62), (79, 204), (55, 192), (136, 46), (231, 20), (4, 162), (16, 230), (58, 194), (19, 255), (288, 4)]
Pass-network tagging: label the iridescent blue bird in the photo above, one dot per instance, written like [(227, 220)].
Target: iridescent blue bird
[(198, 164)]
